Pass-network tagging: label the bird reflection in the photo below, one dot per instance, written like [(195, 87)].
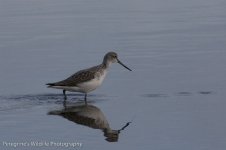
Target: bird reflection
[(90, 116)]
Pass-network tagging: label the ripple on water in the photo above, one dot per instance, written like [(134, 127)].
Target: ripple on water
[(155, 95), (13, 102), (183, 93), (206, 92)]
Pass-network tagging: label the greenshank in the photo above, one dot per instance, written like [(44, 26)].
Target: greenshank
[(87, 80)]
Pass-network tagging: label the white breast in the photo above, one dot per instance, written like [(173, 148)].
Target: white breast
[(92, 84)]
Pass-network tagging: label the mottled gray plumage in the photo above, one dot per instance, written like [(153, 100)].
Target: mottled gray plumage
[(89, 79), (79, 77)]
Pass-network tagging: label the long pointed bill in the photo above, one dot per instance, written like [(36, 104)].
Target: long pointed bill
[(124, 65)]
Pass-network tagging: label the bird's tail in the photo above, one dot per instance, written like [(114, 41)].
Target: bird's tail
[(50, 84)]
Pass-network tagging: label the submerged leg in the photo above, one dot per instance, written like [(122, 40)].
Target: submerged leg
[(65, 104), (65, 96), (85, 98)]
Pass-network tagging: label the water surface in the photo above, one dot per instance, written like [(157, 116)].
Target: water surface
[(174, 97)]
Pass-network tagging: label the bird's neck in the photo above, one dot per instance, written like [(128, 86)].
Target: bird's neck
[(106, 64)]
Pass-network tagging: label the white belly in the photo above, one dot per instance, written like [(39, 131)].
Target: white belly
[(92, 84)]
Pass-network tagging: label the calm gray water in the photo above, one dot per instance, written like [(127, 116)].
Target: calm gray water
[(174, 97)]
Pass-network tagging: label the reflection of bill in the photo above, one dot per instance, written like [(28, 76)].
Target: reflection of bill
[(91, 116)]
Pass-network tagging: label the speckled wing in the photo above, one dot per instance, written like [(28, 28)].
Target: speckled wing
[(75, 79)]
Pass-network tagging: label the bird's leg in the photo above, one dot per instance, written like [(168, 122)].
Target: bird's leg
[(85, 98), (65, 96)]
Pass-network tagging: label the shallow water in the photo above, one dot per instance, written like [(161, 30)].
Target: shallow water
[(174, 97)]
